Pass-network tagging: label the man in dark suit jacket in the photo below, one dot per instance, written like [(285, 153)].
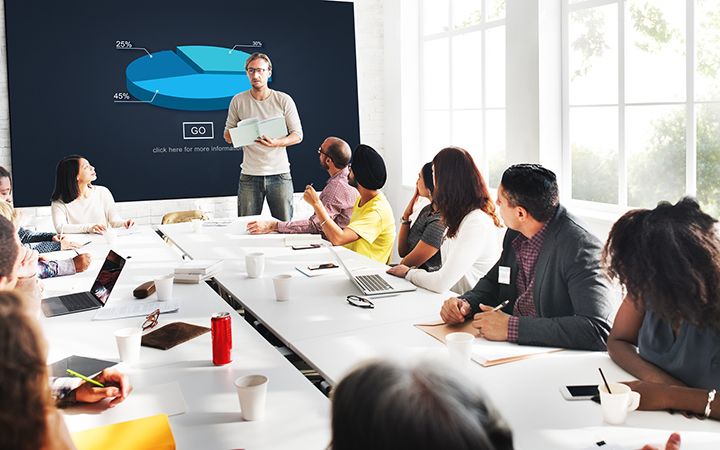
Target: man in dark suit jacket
[(549, 271)]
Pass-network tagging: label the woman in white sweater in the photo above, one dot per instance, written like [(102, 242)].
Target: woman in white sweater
[(472, 243), (77, 205)]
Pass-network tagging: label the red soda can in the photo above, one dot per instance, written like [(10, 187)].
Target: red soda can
[(221, 331)]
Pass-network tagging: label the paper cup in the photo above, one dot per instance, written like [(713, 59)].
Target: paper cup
[(616, 406), (128, 343), (255, 264), (164, 287), (282, 287), (252, 392), (459, 347)]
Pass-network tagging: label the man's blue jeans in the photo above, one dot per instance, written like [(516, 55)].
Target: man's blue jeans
[(278, 189)]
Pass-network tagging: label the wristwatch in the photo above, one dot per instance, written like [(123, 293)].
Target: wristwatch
[(405, 221)]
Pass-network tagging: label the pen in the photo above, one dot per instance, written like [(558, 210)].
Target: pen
[(500, 306), (83, 377), (78, 253)]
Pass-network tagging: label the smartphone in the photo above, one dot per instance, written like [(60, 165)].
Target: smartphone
[(305, 247), (323, 266), (579, 392)]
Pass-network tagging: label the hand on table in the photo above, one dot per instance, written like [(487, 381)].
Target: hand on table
[(673, 443), (128, 223), (117, 388), (28, 265), (82, 262), (400, 270), (492, 325), (98, 228), (65, 243), (262, 226), (454, 310)]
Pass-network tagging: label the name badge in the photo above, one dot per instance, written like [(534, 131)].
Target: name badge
[(503, 275)]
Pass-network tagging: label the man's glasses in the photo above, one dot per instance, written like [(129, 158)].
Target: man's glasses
[(252, 70), (360, 302), (321, 152), (151, 320)]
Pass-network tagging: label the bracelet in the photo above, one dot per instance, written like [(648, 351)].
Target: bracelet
[(405, 221), (711, 397), (322, 223)]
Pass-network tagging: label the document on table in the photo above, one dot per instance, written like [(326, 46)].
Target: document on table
[(147, 433), (484, 352), (305, 270), (134, 310), (143, 401), (250, 129)]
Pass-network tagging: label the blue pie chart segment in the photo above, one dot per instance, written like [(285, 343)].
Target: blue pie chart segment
[(195, 78)]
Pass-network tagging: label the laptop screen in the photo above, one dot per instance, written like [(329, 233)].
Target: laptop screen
[(105, 281)]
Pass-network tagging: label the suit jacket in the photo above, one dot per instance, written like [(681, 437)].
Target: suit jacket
[(573, 299)]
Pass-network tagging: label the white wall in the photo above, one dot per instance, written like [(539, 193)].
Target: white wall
[(369, 43)]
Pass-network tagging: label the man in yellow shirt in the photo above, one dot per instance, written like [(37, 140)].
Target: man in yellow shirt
[(371, 231)]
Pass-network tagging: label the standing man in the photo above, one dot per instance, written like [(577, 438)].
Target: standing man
[(265, 170), (338, 196)]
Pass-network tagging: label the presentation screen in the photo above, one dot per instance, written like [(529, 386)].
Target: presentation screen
[(141, 89)]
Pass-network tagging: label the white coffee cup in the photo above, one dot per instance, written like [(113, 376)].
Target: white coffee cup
[(616, 405), (196, 225), (128, 343), (110, 235), (255, 264), (282, 287), (164, 287), (252, 392), (459, 347)]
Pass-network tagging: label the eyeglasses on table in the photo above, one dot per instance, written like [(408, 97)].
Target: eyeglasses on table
[(360, 302)]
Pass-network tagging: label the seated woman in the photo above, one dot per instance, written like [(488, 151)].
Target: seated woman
[(667, 330), (78, 206), (472, 244), (28, 420), (419, 244)]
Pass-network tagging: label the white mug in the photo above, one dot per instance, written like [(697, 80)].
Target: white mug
[(255, 264), (459, 347), (616, 405), (282, 287), (164, 287), (252, 392)]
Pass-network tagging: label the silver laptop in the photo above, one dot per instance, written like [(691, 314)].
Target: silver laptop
[(375, 283), (95, 298)]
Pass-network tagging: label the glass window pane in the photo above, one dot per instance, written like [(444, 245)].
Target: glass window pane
[(495, 67), (708, 158), (707, 41), (467, 13), (436, 14), (654, 51), (467, 132), (467, 70), (495, 146), (495, 9), (436, 74), (593, 56), (436, 133), (655, 152), (594, 153)]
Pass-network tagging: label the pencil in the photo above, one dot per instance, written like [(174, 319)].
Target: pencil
[(83, 377)]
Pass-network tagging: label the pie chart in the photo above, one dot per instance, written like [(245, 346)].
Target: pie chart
[(191, 78)]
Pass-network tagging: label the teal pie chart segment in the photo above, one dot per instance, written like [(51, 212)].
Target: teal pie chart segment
[(191, 78)]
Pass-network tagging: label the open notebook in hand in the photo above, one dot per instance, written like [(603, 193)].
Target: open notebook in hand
[(484, 352)]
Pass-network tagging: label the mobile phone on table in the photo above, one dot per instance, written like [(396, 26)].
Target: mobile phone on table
[(305, 247), (323, 266), (579, 392)]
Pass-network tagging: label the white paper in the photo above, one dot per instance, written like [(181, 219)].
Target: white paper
[(275, 127), (143, 401), (134, 310), (317, 272), (484, 350)]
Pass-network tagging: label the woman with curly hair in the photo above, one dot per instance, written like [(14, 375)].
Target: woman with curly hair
[(28, 419), (472, 243), (667, 330)]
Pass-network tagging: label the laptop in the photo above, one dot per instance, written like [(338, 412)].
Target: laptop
[(375, 283), (95, 298)]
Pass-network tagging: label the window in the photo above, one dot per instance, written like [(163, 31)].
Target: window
[(641, 102), (461, 83)]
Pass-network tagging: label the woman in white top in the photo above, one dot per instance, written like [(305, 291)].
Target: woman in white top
[(472, 243), (77, 205)]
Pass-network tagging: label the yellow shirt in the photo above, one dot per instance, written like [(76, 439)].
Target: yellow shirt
[(375, 225)]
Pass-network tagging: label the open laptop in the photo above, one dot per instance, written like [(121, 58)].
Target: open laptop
[(375, 283), (95, 298)]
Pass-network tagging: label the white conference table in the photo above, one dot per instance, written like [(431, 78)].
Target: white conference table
[(297, 413), (333, 336)]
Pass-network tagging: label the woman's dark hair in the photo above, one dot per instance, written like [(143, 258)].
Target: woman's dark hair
[(534, 188), (427, 176), (24, 395), (460, 188), (386, 406), (66, 185), (668, 259)]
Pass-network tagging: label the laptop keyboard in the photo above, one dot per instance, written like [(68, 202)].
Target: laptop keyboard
[(74, 302), (373, 283)]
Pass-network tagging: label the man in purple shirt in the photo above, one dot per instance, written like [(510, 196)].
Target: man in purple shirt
[(549, 272), (338, 196)]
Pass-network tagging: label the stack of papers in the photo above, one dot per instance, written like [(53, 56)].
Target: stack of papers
[(134, 310), (195, 271)]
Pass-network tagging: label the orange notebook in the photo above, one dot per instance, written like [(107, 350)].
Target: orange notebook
[(148, 433)]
